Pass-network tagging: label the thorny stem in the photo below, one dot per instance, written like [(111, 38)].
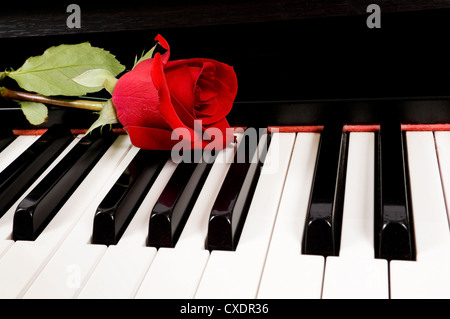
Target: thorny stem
[(76, 103)]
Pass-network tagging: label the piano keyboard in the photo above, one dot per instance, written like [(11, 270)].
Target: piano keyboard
[(328, 215)]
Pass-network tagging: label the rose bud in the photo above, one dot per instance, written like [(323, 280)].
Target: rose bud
[(158, 99)]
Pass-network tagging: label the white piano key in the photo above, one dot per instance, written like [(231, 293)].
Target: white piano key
[(288, 273), (66, 272), (176, 272), (442, 140), (260, 219), (7, 156), (237, 274), (428, 277), (13, 150), (119, 273), (4, 246), (429, 212), (19, 266), (355, 273), (357, 235), (292, 276), (355, 278), (81, 231), (424, 279), (430, 219), (231, 275)]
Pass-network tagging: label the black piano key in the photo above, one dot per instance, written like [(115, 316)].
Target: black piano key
[(24, 170), (394, 236), (6, 137), (172, 209), (322, 230), (121, 203), (37, 209), (231, 206)]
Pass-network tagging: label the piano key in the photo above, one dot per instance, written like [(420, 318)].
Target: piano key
[(5, 245), (434, 264), (119, 273), (176, 272), (19, 266), (69, 233), (83, 258), (424, 279), (21, 173), (236, 274), (431, 232), (323, 225), (36, 210), (136, 234), (119, 206), (355, 273), (288, 273), (394, 236), (173, 274), (57, 230), (231, 206), (442, 141), (6, 138), (79, 204), (37, 145), (428, 277), (176, 201), (195, 231), (66, 273), (6, 222), (13, 150), (82, 229), (357, 237)]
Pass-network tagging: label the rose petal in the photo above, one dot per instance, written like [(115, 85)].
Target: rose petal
[(225, 83), (181, 86), (150, 138), (165, 104), (136, 98), (165, 45)]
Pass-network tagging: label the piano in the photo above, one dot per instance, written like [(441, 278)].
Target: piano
[(344, 197)]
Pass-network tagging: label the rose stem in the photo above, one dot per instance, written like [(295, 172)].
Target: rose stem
[(24, 96)]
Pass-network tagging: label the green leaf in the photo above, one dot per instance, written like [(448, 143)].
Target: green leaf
[(36, 113), (107, 116), (146, 56), (109, 84), (52, 72), (97, 78)]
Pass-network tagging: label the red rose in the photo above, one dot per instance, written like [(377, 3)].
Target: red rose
[(158, 99)]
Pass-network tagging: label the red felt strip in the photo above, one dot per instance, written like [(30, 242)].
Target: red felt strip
[(285, 129)]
